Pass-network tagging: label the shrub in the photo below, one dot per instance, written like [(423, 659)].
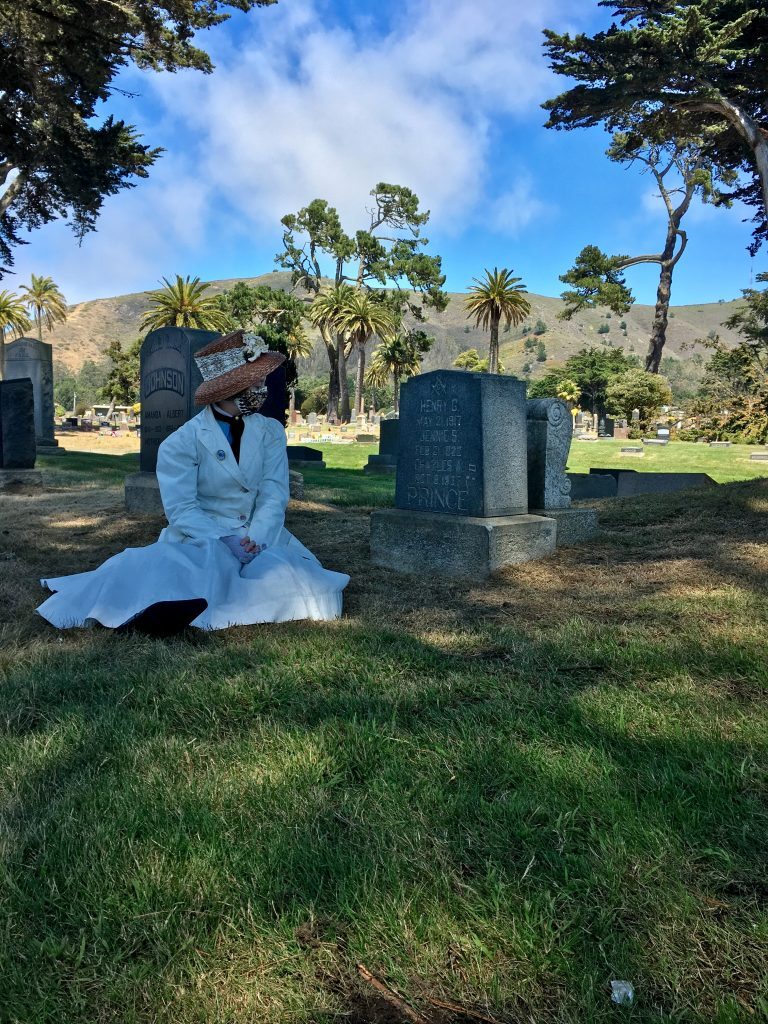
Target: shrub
[(541, 352), (526, 368), (603, 329), (540, 328), (316, 401)]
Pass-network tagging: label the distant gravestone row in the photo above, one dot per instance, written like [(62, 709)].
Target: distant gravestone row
[(480, 479)]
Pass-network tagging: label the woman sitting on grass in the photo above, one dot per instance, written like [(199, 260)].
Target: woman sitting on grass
[(225, 557)]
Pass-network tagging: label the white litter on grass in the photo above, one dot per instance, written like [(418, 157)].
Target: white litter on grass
[(622, 993)]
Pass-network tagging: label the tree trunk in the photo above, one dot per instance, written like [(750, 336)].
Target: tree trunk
[(660, 319), (111, 409), (40, 327), (664, 292), (344, 409), (333, 382), (493, 355), (359, 378), (396, 392), (2, 357)]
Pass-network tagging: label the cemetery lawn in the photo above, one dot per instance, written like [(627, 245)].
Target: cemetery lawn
[(497, 797)]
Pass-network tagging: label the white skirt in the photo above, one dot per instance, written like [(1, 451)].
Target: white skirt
[(281, 584)]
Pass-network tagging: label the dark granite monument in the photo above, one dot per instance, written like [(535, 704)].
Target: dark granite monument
[(389, 443), (302, 456), (462, 480), (33, 359), (17, 436), (463, 447)]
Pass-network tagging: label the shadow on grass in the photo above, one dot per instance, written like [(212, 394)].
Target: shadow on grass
[(500, 794), (188, 801)]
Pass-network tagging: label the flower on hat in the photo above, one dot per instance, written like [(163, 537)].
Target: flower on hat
[(253, 347)]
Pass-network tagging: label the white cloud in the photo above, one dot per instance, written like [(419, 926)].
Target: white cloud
[(518, 207), (298, 108)]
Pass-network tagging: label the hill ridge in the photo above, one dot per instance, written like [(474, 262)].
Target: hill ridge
[(94, 323)]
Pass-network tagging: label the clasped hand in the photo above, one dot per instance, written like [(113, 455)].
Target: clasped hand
[(243, 548)]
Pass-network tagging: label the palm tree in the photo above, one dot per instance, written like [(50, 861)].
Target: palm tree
[(13, 320), (568, 391), (300, 346), (182, 304), (499, 295), (323, 314), (47, 302), (360, 317), (397, 357)]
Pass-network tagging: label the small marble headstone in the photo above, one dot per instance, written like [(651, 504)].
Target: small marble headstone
[(549, 442), (463, 448), (33, 359), (17, 424)]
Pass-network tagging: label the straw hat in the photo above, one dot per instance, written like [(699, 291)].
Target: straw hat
[(233, 364)]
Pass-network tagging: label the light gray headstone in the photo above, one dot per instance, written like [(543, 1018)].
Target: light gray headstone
[(28, 357), (549, 442)]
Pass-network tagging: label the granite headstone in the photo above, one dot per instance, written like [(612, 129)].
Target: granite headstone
[(389, 442), (304, 456), (549, 442), (169, 379), (33, 359), (462, 480), (463, 445), (17, 424)]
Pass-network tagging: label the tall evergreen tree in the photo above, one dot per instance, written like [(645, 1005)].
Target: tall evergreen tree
[(388, 254), (59, 156), (678, 69), (680, 170)]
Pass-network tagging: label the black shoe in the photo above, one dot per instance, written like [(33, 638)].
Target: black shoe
[(165, 618)]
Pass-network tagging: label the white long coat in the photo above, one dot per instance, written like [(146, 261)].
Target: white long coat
[(206, 496)]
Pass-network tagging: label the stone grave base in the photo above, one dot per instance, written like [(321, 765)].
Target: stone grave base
[(306, 463), (759, 457), (382, 464), (50, 449), (142, 492), (574, 525), (296, 483), (20, 481), (458, 546)]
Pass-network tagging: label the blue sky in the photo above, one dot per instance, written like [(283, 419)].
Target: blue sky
[(325, 98)]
